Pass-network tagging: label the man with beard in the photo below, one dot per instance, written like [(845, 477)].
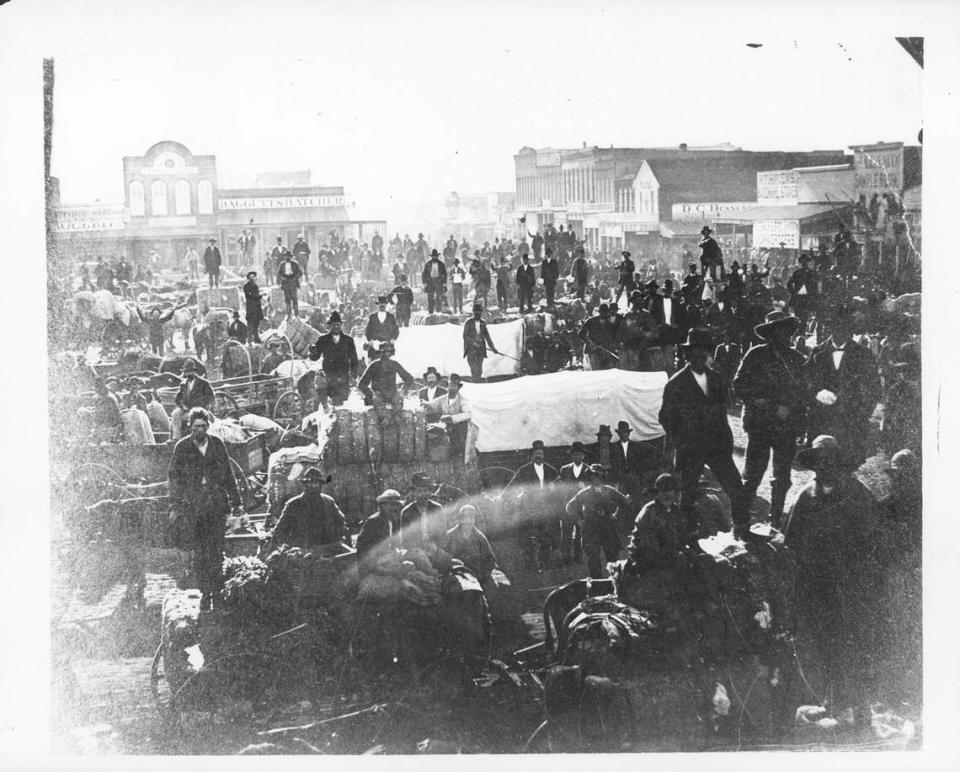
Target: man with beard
[(845, 380), (452, 410), (202, 492), (340, 361), (694, 416), (254, 307), (599, 334), (770, 384), (476, 342), (378, 384), (581, 274), (434, 282), (312, 518), (668, 314), (382, 325), (403, 297), (433, 389), (549, 274), (539, 525)]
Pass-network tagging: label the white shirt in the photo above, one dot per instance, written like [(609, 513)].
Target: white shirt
[(431, 392), (382, 316), (476, 325), (538, 468), (625, 445), (577, 468), (667, 309), (335, 337), (701, 379), (838, 356), (458, 275)]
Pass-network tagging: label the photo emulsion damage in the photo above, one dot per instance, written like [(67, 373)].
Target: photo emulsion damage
[(400, 408)]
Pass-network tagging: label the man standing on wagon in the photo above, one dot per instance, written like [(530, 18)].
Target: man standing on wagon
[(289, 273)]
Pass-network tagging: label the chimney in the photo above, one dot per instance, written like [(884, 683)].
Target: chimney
[(584, 145), (683, 147)]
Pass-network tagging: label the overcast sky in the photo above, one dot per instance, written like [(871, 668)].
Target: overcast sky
[(411, 100)]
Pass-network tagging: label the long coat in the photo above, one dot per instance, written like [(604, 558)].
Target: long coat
[(199, 395), (476, 343), (338, 358), (254, 308), (212, 260), (856, 384), (189, 467), (693, 419), (388, 329)]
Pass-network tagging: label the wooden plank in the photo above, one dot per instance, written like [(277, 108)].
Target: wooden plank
[(80, 611)]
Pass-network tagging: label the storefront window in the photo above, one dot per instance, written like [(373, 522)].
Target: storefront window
[(205, 197), (158, 196), (137, 203), (183, 197)]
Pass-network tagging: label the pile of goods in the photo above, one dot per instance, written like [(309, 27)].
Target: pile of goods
[(409, 576), (218, 297), (300, 335), (285, 472)]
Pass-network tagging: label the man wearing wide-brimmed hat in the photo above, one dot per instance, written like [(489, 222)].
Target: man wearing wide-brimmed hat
[(711, 256), (572, 477), (803, 288), (599, 335), (434, 281), (378, 384), (540, 524), (770, 383), (340, 362), (636, 332), (694, 416), (312, 518), (625, 281)]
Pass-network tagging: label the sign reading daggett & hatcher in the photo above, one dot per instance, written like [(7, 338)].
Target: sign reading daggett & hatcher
[(279, 202)]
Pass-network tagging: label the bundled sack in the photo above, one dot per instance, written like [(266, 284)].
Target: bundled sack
[(300, 334), (123, 313), (136, 427), (228, 430), (258, 423), (285, 470), (104, 305)]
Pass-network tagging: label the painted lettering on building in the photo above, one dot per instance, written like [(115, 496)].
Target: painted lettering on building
[(705, 211), (85, 218), (878, 170), (281, 202), (772, 234), (778, 187)]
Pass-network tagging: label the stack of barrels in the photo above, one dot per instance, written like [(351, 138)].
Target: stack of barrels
[(365, 455)]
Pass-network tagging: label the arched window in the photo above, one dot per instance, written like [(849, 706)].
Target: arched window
[(137, 203), (182, 196), (205, 197), (158, 197)]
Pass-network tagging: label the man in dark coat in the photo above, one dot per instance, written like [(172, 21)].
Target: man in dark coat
[(378, 384), (540, 525), (668, 314), (289, 274), (301, 251), (421, 520), (312, 518), (573, 477), (694, 416), (581, 273), (476, 341), (845, 381), (599, 335), (433, 389), (382, 325), (536, 242), (549, 274), (254, 307), (380, 532), (340, 361), (596, 506), (211, 263), (403, 297), (503, 284), (202, 492), (526, 281), (711, 255), (637, 331), (803, 289), (434, 282), (278, 252), (770, 383), (625, 281)]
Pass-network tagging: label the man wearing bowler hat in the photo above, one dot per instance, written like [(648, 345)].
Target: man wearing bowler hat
[(694, 416), (433, 389), (573, 477), (526, 281), (212, 262), (340, 362), (434, 281), (539, 525), (711, 255), (254, 307), (382, 325), (770, 384)]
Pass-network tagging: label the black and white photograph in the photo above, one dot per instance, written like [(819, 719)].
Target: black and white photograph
[(501, 379)]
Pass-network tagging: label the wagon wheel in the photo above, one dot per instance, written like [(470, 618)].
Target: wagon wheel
[(289, 408), (224, 405), (248, 500)]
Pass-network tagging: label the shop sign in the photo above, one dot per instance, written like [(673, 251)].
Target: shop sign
[(279, 202), (778, 187), (769, 234), (84, 218), (878, 169), (705, 212)]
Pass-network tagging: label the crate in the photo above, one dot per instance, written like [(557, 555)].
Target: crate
[(252, 456)]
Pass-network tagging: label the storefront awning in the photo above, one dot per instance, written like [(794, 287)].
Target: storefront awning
[(672, 229), (798, 212)]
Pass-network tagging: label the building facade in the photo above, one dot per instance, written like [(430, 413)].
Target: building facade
[(172, 201)]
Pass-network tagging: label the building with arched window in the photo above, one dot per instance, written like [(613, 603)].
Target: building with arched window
[(172, 201)]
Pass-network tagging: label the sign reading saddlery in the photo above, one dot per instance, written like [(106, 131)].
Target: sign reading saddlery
[(279, 202)]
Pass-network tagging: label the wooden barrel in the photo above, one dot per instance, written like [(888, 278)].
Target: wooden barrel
[(374, 436), (419, 435), (343, 436), (391, 437), (358, 437), (407, 439)]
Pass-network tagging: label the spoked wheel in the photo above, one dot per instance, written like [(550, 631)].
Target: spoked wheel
[(289, 408), (224, 405), (248, 498)]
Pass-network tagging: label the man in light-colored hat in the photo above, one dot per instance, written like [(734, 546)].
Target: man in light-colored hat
[(694, 416), (770, 384), (380, 532)]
